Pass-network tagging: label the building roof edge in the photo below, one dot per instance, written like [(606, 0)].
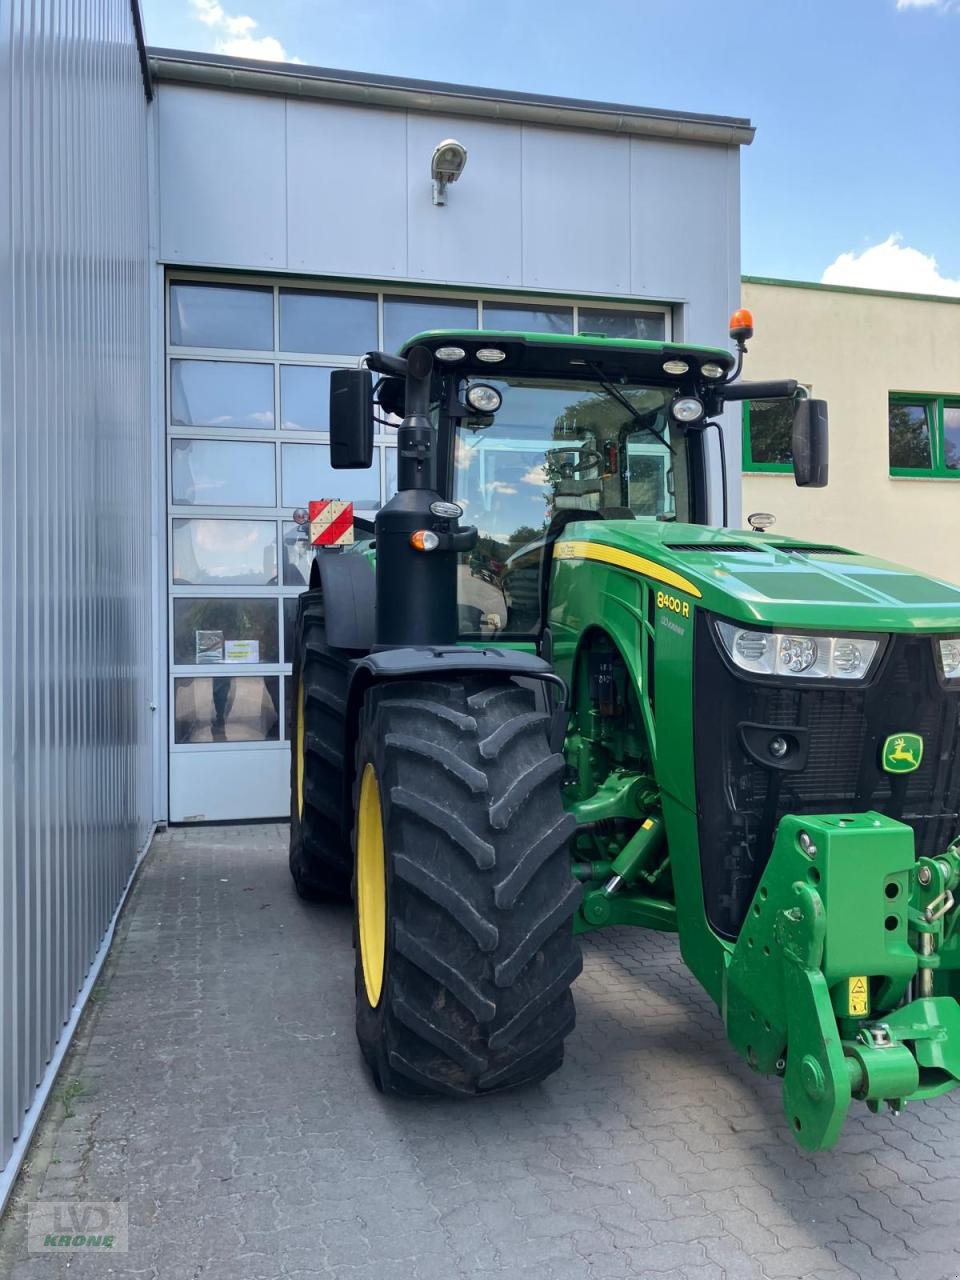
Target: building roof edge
[(849, 288), (375, 90)]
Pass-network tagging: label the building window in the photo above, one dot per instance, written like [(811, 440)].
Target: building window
[(523, 317), (767, 428), (403, 317), (620, 323), (924, 435)]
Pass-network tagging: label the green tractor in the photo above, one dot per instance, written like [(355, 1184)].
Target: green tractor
[(543, 694)]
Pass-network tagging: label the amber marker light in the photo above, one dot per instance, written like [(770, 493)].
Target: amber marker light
[(741, 325), (424, 540)]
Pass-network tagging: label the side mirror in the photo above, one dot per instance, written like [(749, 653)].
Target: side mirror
[(810, 443), (351, 418)]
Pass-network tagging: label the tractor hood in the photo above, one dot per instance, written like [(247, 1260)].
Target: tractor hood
[(768, 579)]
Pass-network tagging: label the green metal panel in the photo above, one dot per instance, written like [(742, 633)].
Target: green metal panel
[(827, 590)]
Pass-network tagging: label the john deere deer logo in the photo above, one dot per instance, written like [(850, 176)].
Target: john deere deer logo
[(902, 753)]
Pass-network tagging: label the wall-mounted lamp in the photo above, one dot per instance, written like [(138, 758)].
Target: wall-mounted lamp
[(449, 158)]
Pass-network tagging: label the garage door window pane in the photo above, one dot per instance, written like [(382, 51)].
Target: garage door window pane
[(403, 317), (289, 624), (215, 473), (307, 475), (206, 315), (327, 323), (304, 397), (215, 631), (623, 324), (226, 709), (224, 553), (298, 554), (528, 319), (221, 393)]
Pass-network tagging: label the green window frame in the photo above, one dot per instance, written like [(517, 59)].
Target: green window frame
[(935, 405), (749, 462)]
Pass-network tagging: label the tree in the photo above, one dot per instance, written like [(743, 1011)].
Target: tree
[(909, 436)]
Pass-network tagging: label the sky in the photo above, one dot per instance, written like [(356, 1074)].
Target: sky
[(854, 174)]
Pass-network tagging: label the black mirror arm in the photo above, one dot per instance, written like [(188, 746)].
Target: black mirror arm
[(782, 389), (381, 362)]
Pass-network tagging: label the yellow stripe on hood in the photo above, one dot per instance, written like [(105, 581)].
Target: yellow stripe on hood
[(624, 560)]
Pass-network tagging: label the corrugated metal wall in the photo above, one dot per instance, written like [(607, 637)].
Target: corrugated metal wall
[(75, 477)]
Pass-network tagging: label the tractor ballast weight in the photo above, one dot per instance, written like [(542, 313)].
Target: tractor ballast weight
[(591, 707)]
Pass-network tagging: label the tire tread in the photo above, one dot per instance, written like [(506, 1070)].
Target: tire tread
[(481, 953)]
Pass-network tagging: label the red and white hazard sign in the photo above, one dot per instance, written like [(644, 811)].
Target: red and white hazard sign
[(331, 522)]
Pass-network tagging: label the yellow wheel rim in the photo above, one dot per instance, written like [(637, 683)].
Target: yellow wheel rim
[(371, 885), (301, 744)]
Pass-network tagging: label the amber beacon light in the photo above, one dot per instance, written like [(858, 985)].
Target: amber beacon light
[(741, 325)]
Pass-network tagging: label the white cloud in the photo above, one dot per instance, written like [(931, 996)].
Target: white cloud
[(235, 36), (891, 265), (942, 6)]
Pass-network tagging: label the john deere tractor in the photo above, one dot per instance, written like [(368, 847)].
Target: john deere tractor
[(546, 693)]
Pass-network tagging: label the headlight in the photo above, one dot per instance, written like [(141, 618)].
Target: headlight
[(711, 370), (484, 398), (490, 355), (450, 353), (950, 657), (687, 409), (778, 653), (676, 367)]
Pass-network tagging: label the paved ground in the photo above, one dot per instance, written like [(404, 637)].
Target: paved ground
[(217, 1088)]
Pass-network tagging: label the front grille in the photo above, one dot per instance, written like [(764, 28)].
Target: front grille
[(740, 802)]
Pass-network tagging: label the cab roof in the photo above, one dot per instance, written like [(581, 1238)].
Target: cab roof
[(568, 355)]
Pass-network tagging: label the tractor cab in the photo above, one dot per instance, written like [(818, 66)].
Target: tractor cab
[(553, 448), (529, 433)]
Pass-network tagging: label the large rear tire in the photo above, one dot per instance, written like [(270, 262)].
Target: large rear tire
[(464, 893), (321, 861)]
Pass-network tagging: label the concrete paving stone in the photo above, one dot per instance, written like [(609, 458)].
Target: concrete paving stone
[(751, 1233), (733, 1260), (225, 1100), (864, 1263), (684, 1229), (552, 1225), (931, 1266), (886, 1244), (655, 1258), (532, 1252)]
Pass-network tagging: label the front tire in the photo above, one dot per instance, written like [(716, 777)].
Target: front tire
[(464, 893)]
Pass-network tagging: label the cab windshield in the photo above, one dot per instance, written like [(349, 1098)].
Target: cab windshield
[(555, 446)]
